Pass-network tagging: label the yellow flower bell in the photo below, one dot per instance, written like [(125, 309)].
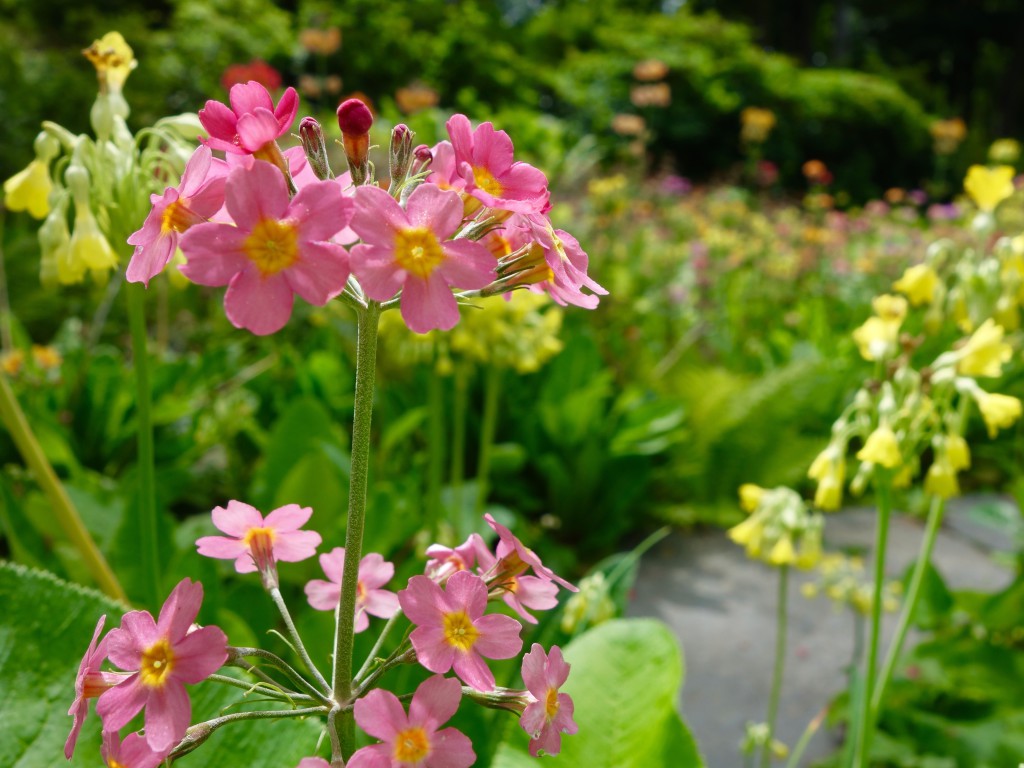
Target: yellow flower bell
[(988, 187), (941, 480), (958, 454), (918, 284), (114, 60), (29, 189), (998, 411), (881, 448), (782, 553), (876, 338), (890, 308), (985, 352), (750, 496)]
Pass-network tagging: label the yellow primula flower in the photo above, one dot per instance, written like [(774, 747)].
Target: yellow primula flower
[(890, 308), (918, 283), (985, 352), (29, 190), (876, 338), (782, 553), (46, 357), (750, 496), (998, 411), (941, 480), (881, 448), (88, 249), (988, 187), (1004, 151), (12, 361), (113, 59), (748, 534), (757, 123), (958, 454), (829, 469)]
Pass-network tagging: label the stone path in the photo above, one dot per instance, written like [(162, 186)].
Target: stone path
[(721, 606)]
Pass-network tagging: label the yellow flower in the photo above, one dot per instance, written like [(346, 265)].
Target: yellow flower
[(29, 190), (1004, 151), (782, 553), (748, 534), (46, 357), (890, 308), (958, 454), (829, 469), (988, 187), (11, 362), (881, 448), (757, 123), (998, 411), (918, 283), (876, 338), (941, 480), (113, 59), (810, 550), (88, 249), (985, 352), (750, 496)]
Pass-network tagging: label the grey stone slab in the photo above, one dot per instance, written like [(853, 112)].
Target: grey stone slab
[(721, 605)]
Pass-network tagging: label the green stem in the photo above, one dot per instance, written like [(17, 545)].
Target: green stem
[(150, 549), (458, 460), (488, 428), (300, 648), (377, 646), (935, 512), (435, 448), (805, 738), (865, 723), (780, 661), (68, 519), (272, 691), (366, 364)]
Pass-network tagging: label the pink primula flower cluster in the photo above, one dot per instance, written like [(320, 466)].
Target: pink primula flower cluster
[(261, 223), (158, 658)]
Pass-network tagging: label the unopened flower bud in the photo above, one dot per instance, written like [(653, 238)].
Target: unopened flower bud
[(313, 143), (423, 154), (354, 120), (400, 156)]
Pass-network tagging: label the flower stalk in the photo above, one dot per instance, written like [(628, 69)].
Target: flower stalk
[(366, 363), (779, 665)]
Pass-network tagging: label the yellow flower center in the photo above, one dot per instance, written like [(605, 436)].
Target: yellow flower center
[(157, 664), (412, 745), (486, 181), (112, 763), (417, 251), (178, 218), (272, 246), (459, 631), (551, 703)]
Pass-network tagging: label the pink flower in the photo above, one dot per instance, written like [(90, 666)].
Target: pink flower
[(519, 592), (550, 715), (413, 740), (484, 160), (256, 543), (408, 249), (90, 683), (133, 752), (251, 122), (567, 261), (444, 561), (514, 557), (197, 198), (313, 762), (164, 656), (279, 248), (452, 630), (374, 573)]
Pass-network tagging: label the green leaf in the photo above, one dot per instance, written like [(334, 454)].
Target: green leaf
[(46, 629), (625, 682)]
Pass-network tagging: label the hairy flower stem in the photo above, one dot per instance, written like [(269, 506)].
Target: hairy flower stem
[(13, 419), (865, 722), (144, 424), (781, 620), (924, 557), (300, 648), (488, 427), (366, 364)]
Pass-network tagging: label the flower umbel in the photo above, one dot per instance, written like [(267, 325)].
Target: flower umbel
[(550, 715)]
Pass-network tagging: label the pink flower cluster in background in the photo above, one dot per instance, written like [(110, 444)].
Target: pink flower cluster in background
[(261, 223)]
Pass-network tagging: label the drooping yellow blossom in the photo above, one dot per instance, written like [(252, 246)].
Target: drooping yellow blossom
[(988, 187), (46, 357), (12, 361), (841, 579), (29, 189), (829, 469), (114, 61), (876, 338), (941, 480), (890, 308), (998, 411), (748, 534), (958, 454), (918, 284), (54, 241), (750, 496), (881, 448), (782, 553), (985, 352), (87, 249), (1006, 151), (520, 332)]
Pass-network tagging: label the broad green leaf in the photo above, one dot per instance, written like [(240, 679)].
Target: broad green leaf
[(45, 629), (625, 682)]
